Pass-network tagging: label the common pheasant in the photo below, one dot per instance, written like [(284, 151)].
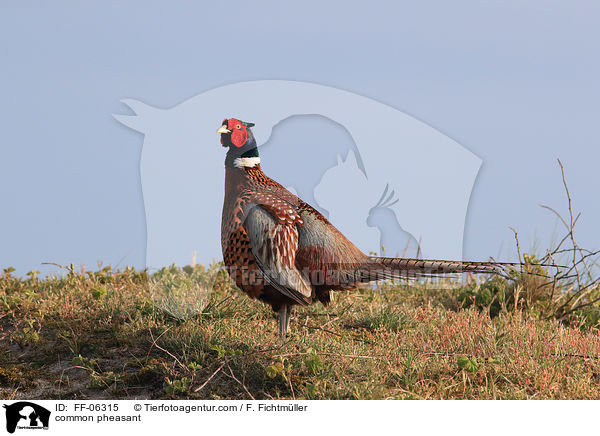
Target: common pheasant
[(279, 249)]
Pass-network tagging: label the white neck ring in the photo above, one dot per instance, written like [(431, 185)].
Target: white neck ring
[(246, 162)]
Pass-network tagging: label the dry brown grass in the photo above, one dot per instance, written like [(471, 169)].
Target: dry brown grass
[(102, 335)]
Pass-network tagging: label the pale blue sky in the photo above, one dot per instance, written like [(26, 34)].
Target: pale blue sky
[(516, 83)]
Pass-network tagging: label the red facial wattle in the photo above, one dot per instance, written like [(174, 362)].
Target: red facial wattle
[(239, 135)]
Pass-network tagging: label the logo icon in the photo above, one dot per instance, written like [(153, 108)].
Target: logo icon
[(26, 415)]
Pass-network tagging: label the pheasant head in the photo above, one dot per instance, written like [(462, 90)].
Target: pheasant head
[(238, 138)]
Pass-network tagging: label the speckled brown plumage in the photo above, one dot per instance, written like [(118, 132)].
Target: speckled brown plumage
[(249, 187)]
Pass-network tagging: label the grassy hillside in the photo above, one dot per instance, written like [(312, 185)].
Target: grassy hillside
[(189, 334)]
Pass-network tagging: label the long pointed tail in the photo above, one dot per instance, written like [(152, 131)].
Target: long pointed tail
[(390, 267)]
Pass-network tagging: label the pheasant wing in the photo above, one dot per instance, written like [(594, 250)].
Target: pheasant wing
[(271, 224)]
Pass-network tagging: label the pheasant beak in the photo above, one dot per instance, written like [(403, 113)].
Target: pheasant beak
[(223, 129)]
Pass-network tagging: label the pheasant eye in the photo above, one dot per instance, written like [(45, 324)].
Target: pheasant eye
[(239, 126)]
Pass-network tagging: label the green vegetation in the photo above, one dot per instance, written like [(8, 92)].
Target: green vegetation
[(187, 333)]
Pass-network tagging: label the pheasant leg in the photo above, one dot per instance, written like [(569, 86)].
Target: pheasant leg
[(284, 320)]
